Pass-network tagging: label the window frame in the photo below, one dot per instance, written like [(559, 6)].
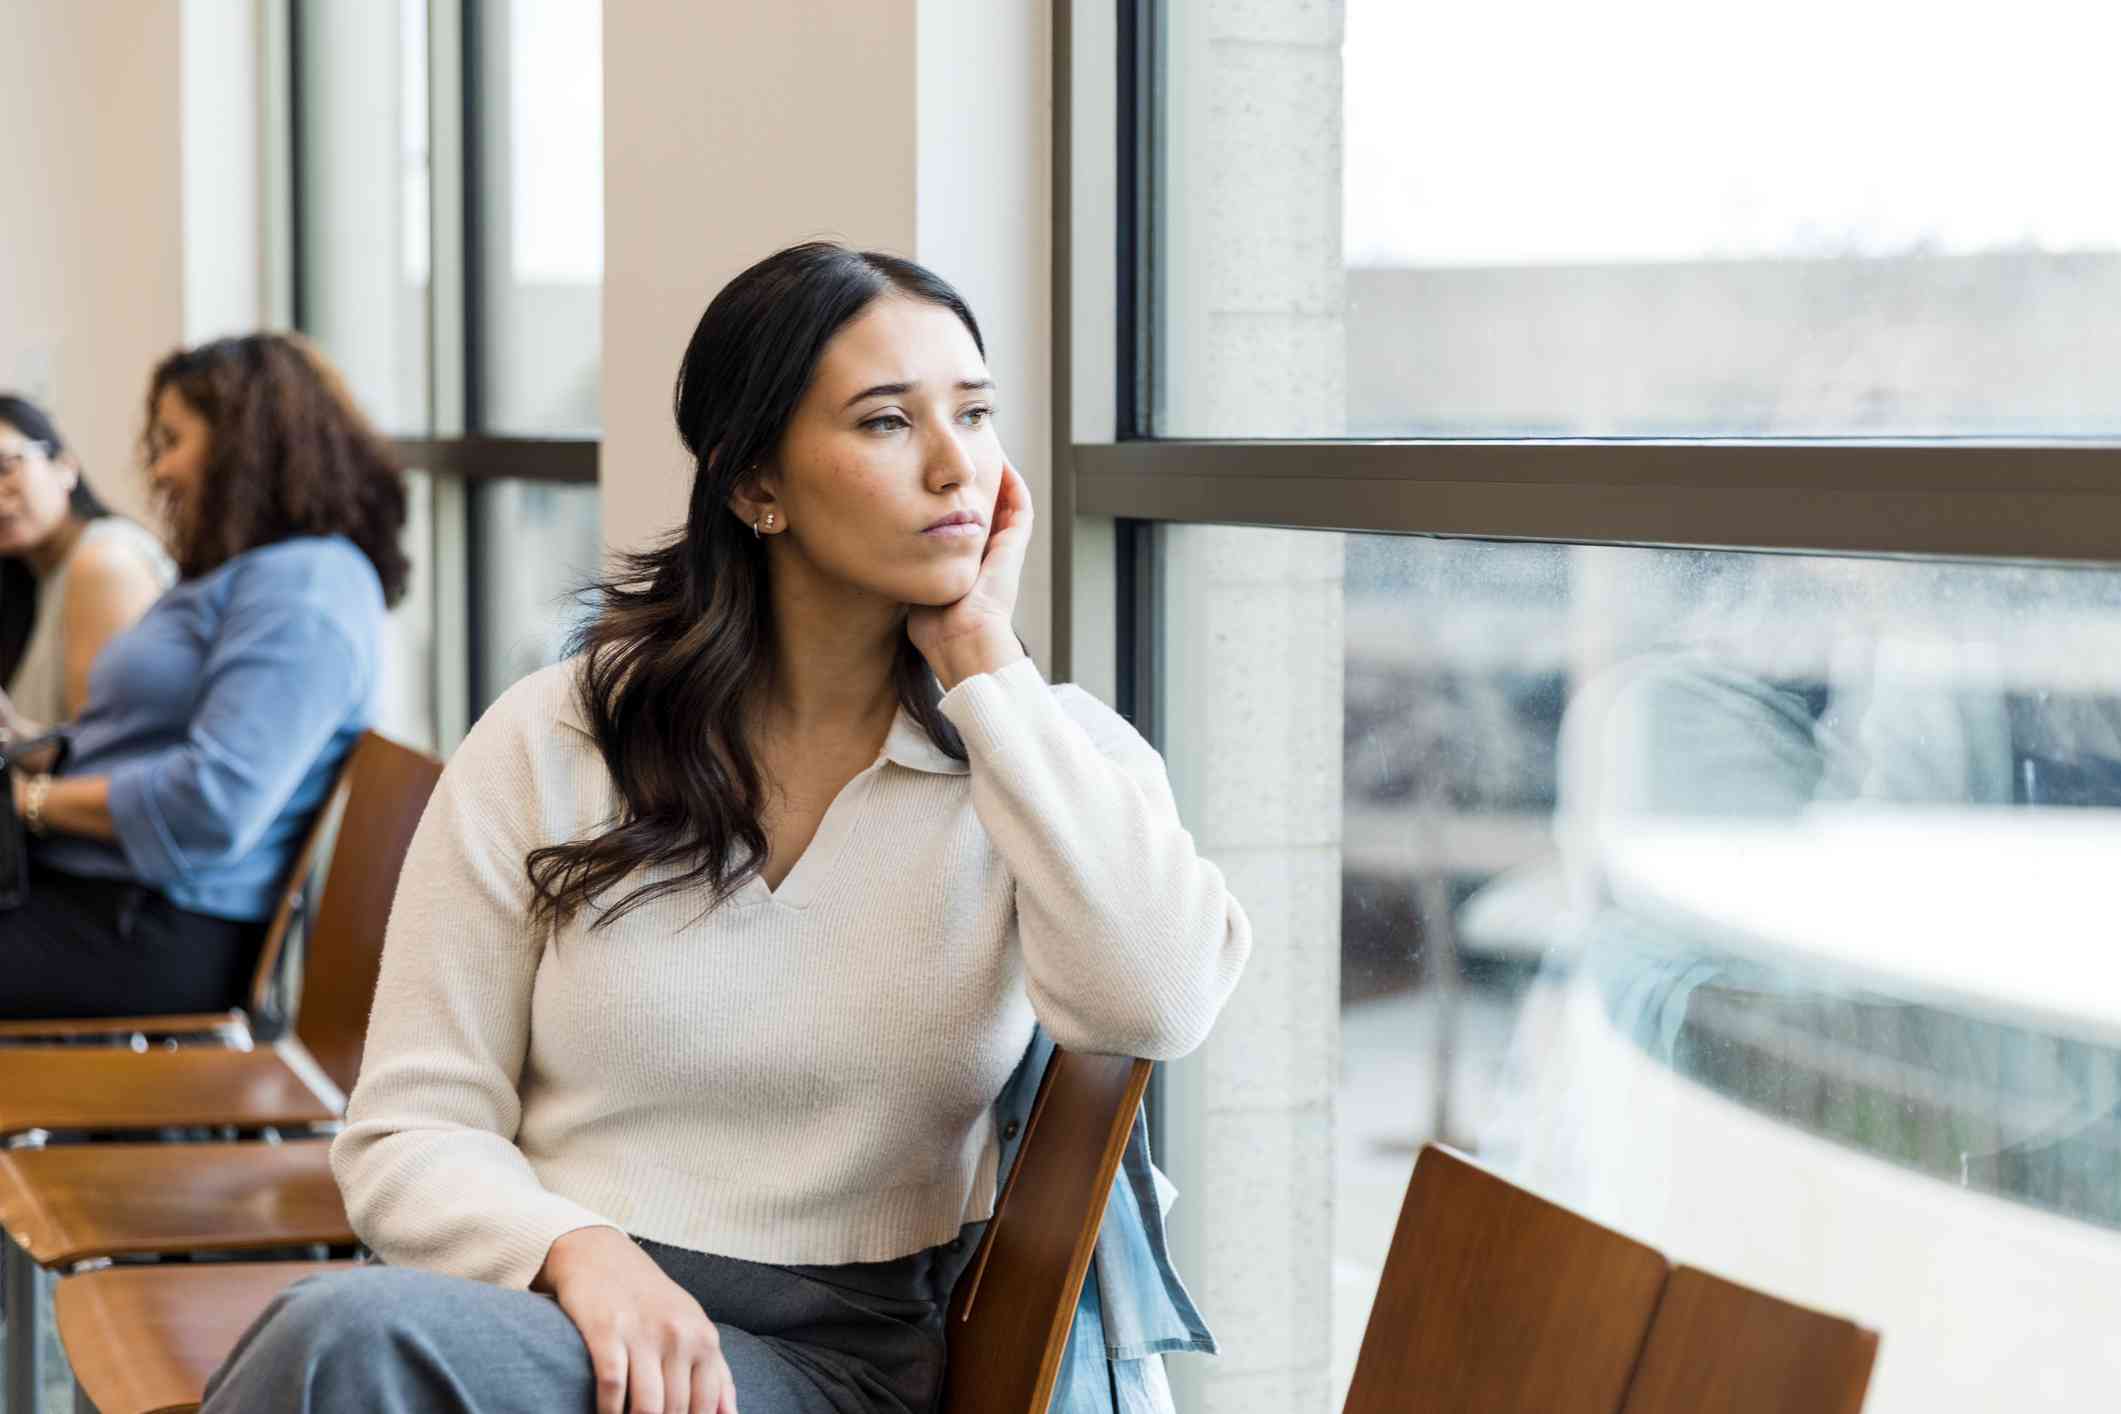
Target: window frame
[(2035, 500), (456, 441), (2042, 500)]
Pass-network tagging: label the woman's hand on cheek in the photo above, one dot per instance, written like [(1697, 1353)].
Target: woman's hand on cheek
[(975, 635)]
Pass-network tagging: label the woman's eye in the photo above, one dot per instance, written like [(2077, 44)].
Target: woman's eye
[(886, 422), (977, 417)]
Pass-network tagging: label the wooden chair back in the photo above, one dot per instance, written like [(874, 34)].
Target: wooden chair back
[(387, 786), (1718, 1345), (145, 1340), (1013, 1307), (1496, 1300), (270, 951)]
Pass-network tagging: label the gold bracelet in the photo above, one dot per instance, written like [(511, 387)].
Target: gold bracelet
[(33, 801)]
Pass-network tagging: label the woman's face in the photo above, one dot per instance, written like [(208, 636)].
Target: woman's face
[(887, 476), (34, 487), (179, 441)]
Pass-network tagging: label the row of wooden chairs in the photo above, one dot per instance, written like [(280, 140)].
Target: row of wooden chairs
[(1491, 1299), (86, 1177)]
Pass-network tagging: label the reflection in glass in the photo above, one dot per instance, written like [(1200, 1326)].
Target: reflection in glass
[(1754, 905)]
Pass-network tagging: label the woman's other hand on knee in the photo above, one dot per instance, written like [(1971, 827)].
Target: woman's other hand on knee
[(652, 1347)]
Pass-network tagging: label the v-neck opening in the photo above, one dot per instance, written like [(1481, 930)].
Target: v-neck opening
[(833, 831)]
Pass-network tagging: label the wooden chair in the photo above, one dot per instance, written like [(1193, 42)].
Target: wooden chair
[(1718, 1345), (235, 1024), (66, 1200), (1013, 1307), (298, 1081), (1495, 1300), (144, 1340), (88, 1202)]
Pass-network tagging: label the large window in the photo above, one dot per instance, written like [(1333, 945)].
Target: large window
[(446, 185), (1880, 220), (1745, 901)]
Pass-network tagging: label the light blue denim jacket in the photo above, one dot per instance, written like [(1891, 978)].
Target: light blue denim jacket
[(1134, 1309)]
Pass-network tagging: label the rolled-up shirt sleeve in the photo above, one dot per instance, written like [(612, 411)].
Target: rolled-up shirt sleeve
[(277, 684), (1131, 940)]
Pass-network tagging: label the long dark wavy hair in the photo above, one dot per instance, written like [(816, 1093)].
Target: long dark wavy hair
[(682, 634), (291, 455), (18, 582)]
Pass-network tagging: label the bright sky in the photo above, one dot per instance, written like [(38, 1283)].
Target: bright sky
[(1541, 131)]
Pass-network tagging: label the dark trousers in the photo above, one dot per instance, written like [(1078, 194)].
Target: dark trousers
[(81, 947)]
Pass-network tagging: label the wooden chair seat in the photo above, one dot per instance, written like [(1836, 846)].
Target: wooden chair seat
[(1718, 1345), (68, 1204), (144, 1340), (1496, 1300), (99, 1088)]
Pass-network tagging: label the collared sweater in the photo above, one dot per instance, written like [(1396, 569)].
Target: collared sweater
[(798, 1075)]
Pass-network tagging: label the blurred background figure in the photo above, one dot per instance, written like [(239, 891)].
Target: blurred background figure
[(72, 574), (215, 726)]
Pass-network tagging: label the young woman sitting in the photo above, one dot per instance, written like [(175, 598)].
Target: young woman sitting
[(215, 726), (719, 941)]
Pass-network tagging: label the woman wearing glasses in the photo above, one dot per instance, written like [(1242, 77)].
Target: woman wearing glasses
[(72, 575), (215, 726)]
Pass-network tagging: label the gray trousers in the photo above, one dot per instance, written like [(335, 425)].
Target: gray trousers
[(858, 1339)]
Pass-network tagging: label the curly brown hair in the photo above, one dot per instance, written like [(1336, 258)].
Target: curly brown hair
[(291, 455)]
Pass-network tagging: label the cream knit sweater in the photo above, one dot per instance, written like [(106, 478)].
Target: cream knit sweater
[(803, 1075)]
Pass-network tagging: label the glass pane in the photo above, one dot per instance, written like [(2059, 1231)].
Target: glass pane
[(364, 193), (1752, 905), (408, 696), (536, 544), (1645, 218), (541, 163)]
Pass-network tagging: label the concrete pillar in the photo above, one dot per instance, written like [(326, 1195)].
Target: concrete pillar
[(1254, 341)]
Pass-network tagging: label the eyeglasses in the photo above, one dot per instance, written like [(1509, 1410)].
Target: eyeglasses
[(12, 458)]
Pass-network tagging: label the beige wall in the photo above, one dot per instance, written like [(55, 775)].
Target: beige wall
[(917, 126), (91, 252)]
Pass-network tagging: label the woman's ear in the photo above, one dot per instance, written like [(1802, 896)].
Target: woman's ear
[(754, 503)]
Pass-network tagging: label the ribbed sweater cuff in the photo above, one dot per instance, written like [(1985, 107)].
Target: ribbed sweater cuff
[(522, 1238), (989, 709)]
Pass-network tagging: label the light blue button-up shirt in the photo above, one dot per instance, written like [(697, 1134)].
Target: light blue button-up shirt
[(1134, 1309), (221, 719)]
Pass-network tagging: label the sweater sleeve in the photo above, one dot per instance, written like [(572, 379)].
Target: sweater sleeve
[(1131, 940), (279, 680), (428, 1162)]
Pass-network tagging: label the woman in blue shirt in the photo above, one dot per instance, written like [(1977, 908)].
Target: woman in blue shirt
[(215, 726)]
